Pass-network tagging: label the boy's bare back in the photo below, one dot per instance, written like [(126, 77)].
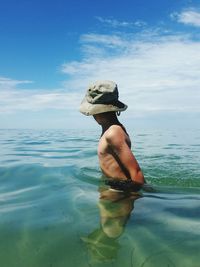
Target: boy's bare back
[(115, 156)]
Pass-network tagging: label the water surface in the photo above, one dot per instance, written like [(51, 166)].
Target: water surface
[(56, 210)]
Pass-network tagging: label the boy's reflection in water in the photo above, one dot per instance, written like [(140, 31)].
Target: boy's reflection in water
[(115, 208)]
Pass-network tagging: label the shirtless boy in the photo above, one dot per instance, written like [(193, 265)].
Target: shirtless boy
[(116, 159)]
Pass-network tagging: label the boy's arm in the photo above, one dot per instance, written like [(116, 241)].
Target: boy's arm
[(116, 139)]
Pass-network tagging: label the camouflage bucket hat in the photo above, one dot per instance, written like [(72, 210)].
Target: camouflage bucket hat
[(101, 96)]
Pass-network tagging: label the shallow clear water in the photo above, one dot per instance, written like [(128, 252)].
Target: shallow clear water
[(56, 211)]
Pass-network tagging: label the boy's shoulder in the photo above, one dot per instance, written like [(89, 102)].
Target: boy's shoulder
[(114, 130), (114, 133)]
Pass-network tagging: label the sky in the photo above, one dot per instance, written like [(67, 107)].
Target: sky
[(50, 51)]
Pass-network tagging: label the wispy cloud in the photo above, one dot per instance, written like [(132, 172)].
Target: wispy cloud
[(7, 83), (104, 39), (121, 24), (13, 98), (188, 17)]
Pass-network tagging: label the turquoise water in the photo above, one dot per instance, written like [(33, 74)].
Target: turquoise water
[(55, 210)]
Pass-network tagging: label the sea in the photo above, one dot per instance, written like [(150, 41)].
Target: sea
[(56, 211)]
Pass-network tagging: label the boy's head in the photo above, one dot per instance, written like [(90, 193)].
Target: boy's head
[(101, 97)]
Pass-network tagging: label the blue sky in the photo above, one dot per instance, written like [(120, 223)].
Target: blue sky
[(51, 50)]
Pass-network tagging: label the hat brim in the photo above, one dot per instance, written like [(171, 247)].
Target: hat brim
[(89, 109)]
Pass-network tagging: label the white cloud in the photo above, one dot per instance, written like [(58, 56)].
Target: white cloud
[(161, 75), (125, 24), (13, 99), (103, 39), (7, 83), (190, 17)]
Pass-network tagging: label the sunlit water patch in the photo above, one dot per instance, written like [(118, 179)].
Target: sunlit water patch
[(56, 211)]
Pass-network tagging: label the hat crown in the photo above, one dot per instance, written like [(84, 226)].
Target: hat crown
[(103, 92)]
